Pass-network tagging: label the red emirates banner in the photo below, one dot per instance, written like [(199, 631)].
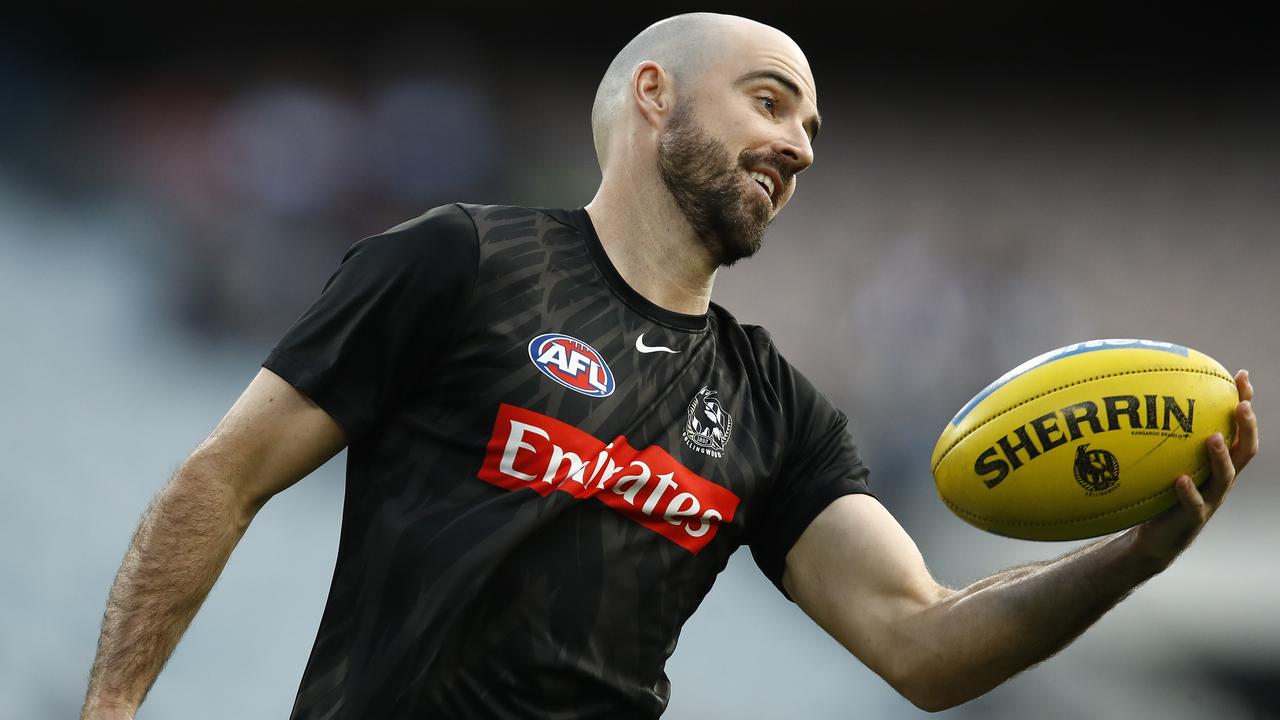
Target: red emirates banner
[(530, 450)]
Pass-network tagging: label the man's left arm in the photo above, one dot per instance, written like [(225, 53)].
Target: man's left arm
[(858, 574)]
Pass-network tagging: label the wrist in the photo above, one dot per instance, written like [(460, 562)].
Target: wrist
[(104, 708), (1141, 558)]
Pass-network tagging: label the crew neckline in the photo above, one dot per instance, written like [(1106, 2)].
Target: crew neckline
[(579, 218)]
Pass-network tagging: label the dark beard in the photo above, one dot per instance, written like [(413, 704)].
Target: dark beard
[(708, 188)]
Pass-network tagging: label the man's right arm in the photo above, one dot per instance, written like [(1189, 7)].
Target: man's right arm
[(272, 437)]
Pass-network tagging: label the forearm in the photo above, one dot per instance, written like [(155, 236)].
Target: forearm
[(176, 555), (973, 639)]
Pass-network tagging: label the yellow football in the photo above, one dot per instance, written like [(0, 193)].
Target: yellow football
[(1084, 440)]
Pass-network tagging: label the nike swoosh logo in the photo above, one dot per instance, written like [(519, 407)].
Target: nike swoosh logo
[(651, 348)]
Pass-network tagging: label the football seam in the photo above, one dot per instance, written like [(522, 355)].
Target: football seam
[(1033, 398), (1087, 518)]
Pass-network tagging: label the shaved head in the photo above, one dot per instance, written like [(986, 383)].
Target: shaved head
[(683, 45), (707, 119)]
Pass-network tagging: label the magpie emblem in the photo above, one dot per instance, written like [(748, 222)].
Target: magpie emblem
[(709, 425)]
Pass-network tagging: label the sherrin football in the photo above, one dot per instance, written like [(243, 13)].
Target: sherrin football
[(1084, 440)]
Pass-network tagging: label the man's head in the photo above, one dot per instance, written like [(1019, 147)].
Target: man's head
[(724, 109)]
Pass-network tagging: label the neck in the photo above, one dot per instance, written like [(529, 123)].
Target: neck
[(652, 245)]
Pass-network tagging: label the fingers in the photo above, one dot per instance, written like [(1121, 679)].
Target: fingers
[(1222, 471), (1191, 499), (1246, 444), (1243, 385)]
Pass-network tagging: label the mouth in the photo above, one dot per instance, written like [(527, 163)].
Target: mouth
[(769, 182)]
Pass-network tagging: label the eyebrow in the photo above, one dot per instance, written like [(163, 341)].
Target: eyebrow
[(815, 125)]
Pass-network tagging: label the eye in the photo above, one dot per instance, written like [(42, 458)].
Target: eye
[(770, 104)]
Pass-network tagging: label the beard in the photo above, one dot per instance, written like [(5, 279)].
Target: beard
[(710, 190)]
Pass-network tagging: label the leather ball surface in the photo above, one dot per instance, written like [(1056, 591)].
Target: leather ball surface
[(1085, 440)]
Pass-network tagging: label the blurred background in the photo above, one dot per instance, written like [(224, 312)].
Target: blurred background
[(991, 182)]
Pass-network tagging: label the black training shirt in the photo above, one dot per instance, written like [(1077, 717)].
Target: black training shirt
[(545, 472)]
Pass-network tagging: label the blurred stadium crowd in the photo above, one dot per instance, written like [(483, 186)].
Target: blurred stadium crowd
[(167, 212)]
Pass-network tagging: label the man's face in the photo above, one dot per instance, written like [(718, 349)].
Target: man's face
[(706, 182), (731, 184)]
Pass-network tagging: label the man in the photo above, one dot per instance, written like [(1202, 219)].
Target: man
[(557, 440)]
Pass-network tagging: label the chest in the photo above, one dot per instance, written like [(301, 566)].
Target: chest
[(554, 384)]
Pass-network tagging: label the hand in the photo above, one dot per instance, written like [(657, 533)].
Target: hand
[(1166, 535)]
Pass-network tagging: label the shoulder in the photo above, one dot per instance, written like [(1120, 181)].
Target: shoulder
[(470, 220), (768, 371), (437, 249), (447, 228), (762, 345), (752, 340), (786, 386), (486, 218), (503, 229), (525, 240), (759, 339)]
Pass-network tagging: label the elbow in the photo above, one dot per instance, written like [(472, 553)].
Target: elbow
[(213, 490), (925, 698), (932, 705), (929, 688)]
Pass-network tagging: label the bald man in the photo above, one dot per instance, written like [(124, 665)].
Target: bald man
[(556, 440)]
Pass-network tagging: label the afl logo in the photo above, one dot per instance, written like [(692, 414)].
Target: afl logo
[(572, 363)]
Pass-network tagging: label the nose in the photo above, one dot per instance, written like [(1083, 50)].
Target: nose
[(796, 147)]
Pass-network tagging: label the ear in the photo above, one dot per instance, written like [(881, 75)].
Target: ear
[(652, 92)]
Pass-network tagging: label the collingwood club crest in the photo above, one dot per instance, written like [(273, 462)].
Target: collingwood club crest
[(708, 428), (1097, 471)]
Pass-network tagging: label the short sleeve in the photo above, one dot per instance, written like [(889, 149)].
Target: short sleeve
[(821, 464), (383, 318)]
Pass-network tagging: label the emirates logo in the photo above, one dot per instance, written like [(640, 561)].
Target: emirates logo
[(709, 425), (532, 451)]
